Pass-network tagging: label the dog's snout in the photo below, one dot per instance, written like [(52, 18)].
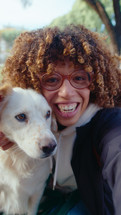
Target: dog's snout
[(49, 148)]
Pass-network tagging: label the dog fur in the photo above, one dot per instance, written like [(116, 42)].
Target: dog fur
[(25, 118)]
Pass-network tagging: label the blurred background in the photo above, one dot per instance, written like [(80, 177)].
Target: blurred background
[(16, 16)]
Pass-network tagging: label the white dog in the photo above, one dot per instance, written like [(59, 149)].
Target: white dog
[(25, 118)]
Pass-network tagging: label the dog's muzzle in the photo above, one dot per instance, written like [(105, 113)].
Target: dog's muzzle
[(49, 148)]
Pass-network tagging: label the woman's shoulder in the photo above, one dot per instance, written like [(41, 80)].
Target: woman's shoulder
[(104, 117), (107, 115), (110, 111), (106, 121), (102, 122)]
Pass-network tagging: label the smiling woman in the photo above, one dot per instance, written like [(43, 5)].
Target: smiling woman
[(69, 95), (81, 80)]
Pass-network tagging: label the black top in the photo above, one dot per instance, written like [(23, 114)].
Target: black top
[(96, 162)]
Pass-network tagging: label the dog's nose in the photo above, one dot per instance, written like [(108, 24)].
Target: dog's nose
[(49, 148)]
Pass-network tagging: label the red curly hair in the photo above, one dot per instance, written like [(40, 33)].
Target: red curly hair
[(35, 53)]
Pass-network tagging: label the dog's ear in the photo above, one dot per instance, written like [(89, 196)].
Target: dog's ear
[(5, 90)]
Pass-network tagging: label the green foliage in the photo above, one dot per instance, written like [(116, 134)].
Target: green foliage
[(9, 35), (82, 13)]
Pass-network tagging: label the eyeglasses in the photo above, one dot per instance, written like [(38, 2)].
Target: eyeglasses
[(78, 79)]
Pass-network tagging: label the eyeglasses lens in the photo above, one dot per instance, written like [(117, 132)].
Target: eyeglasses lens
[(51, 81), (80, 79)]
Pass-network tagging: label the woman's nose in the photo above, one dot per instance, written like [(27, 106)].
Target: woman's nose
[(66, 90)]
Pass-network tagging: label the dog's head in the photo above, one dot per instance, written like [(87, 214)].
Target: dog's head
[(25, 118)]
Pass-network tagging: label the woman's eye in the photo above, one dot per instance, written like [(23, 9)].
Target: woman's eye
[(79, 78), (52, 80), (47, 114), (21, 117)]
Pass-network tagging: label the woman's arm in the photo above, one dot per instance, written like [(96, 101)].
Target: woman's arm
[(111, 160)]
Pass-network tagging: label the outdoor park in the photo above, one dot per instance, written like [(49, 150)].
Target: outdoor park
[(103, 16), (68, 80)]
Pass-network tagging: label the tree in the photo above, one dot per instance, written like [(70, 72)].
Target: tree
[(112, 25), (80, 14), (98, 15), (7, 37)]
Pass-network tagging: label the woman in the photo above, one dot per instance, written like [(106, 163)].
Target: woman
[(81, 80)]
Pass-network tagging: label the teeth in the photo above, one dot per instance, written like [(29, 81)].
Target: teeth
[(67, 108)]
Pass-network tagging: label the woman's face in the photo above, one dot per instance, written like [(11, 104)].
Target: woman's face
[(67, 102)]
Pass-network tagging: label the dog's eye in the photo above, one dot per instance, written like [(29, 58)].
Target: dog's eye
[(47, 114), (21, 117)]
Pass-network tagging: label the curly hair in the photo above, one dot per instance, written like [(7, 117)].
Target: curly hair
[(35, 53)]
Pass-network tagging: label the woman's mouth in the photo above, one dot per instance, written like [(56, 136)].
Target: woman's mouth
[(67, 108), (67, 113)]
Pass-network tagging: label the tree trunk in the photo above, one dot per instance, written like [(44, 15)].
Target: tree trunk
[(117, 12), (113, 31)]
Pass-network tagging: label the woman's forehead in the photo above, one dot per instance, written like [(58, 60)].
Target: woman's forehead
[(67, 64)]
